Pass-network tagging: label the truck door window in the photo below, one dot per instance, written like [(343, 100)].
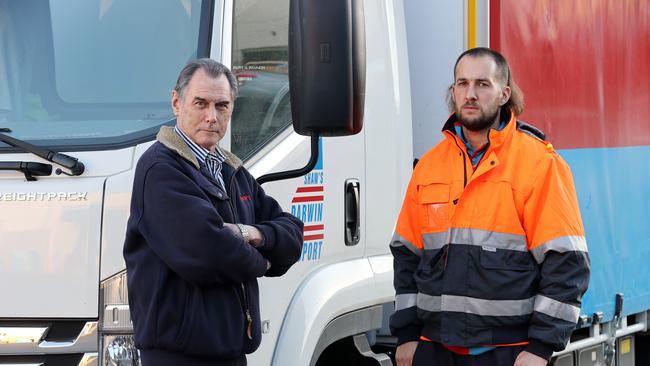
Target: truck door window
[(259, 59), (85, 73)]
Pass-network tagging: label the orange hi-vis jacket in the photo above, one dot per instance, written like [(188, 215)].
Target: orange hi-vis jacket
[(490, 256)]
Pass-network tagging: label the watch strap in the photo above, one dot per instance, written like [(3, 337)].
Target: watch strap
[(244, 233)]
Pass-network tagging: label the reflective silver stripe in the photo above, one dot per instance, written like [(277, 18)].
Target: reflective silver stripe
[(398, 241), (483, 307), (488, 238), (557, 309), (403, 301), (477, 237), (435, 240), (471, 305), (561, 245), (429, 303), (465, 236)]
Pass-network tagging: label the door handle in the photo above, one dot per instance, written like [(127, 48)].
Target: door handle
[(352, 212)]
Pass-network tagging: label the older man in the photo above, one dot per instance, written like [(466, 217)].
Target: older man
[(490, 257), (201, 232)]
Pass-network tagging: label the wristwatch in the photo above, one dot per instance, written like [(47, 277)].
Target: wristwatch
[(244, 233)]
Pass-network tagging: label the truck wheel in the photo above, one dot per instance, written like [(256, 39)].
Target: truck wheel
[(344, 353)]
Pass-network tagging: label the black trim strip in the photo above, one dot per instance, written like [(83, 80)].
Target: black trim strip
[(205, 29)]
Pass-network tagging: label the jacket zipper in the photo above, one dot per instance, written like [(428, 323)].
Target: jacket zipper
[(487, 147), (235, 214), (247, 312), (446, 249), (445, 255), (464, 162)]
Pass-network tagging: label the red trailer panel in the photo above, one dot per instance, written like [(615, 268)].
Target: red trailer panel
[(584, 67)]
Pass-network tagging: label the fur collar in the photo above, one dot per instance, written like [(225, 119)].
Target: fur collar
[(168, 137)]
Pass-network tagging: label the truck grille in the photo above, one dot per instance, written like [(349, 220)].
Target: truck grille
[(48, 343)]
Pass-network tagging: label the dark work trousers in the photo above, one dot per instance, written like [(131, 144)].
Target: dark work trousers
[(153, 357), (434, 354)]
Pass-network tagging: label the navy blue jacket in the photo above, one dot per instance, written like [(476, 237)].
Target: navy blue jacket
[(191, 281)]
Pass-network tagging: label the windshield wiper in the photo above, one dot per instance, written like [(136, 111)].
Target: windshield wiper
[(73, 164), (29, 168)]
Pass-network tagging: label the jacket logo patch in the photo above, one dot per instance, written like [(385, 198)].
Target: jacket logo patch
[(245, 197)]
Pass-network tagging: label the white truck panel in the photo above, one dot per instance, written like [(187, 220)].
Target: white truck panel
[(429, 23), (49, 248), (388, 149), (327, 293), (117, 205)]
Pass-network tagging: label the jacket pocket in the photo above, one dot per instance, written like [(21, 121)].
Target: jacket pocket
[(493, 258), (170, 307), (216, 325), (434, 202), (504, 274), (186, 319)]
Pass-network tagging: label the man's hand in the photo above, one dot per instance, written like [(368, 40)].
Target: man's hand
[(405, 352), (529, 359), (256, 236)]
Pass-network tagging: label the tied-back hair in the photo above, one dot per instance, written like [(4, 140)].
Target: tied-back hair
[(516, 101)]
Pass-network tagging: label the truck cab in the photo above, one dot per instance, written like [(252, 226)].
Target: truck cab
[(92, 80)]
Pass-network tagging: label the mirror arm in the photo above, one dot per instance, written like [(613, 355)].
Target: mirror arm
[(313, 159)]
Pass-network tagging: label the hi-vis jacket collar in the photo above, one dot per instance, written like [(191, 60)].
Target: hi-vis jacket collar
[(495, 137), (168, 137)]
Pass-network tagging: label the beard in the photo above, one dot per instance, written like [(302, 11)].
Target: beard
[(481, 122)]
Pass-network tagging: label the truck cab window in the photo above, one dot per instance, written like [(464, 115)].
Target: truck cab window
[(259, 59), (92, 72)]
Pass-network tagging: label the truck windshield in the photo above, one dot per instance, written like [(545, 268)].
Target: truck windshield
[(87, 73)]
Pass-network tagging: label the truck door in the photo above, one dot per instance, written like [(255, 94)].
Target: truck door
[(261, 127), (262, 135)]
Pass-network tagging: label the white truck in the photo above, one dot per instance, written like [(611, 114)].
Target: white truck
[(92, 79)]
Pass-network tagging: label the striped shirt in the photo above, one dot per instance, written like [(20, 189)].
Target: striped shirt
[(211, 160)]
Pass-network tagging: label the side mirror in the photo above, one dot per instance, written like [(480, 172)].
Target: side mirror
[(327, 72), (327, 61)]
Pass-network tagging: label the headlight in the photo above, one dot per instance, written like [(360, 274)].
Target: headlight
[(115, 327), (119, 351)]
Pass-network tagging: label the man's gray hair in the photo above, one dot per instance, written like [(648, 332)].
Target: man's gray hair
[(211, 67)]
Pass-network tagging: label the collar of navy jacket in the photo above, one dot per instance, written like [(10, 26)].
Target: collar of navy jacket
[(172, 141)]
